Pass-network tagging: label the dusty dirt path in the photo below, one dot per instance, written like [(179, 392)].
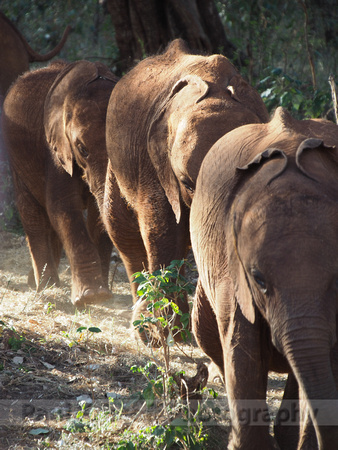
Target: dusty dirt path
[(46, 365)]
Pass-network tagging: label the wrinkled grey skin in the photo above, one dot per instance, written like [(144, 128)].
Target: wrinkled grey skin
[(265, 237), (54, 130), (163, 117)]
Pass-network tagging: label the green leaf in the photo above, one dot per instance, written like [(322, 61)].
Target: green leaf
[(158, 430), (148, 395), (175, 308), (185, 318), (136, 323), (38, 431), (158, 304), (80, 329), (94, 330), (276, 71)]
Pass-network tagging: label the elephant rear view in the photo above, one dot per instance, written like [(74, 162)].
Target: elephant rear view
[(163, 117), (265, 238), (54, 131)]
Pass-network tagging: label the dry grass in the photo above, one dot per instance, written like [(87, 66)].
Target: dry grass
[(40, 382)]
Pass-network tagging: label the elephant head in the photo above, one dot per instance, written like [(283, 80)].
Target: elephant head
[(74, 119), (264, 235), (170, 109), (207, 102)]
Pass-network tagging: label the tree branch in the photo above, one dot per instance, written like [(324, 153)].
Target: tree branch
[(308, 46), (334, 96)]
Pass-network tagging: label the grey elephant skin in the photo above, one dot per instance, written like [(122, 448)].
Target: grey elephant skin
[(163, 117), (265, 237), (54, 131), (16, 54)]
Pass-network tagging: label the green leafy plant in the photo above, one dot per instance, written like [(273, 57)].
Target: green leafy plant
[(87, 332), (280, 89), (49, 307), (161, 289), (180, 425), (181, 434), (16, 341), (83, 335)]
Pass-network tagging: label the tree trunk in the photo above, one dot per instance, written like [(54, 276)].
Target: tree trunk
[(145, 27)]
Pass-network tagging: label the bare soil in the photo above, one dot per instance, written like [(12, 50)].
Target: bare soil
[(46, 365)]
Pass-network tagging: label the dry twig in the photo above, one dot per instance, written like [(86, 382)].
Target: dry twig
[(334, 96)]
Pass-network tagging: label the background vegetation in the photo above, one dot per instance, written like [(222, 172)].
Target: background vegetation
[(287, 50), (275, 39)]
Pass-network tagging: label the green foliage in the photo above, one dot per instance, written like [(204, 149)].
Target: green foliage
[(93, 422), (269, 33), (160, 289), (49, 307), (154, 388), (181, 433), (15, 342), (279, 89), (84, 334), (179, 423), (15, 339), (185, 429)]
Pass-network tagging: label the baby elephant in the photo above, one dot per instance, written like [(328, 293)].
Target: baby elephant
[(265, 237), (54, 131)]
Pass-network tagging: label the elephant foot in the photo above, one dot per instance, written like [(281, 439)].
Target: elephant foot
[(31, 279), (215, 375), (45, 282), (92, 296)]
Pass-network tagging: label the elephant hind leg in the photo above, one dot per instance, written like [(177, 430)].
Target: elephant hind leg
[(65, 200), (99, 237), (88, 285), (123, 229), (43, 243), (205, 329), (44, 264), (55, 247)]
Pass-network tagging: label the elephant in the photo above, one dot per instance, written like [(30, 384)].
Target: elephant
[(264, 235), (54, 131), (16, 54), (162, 118)]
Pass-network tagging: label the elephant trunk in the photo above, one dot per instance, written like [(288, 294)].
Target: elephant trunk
[(307, 349)]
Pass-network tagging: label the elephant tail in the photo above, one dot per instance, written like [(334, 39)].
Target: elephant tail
[(36, 57), (33, 56)]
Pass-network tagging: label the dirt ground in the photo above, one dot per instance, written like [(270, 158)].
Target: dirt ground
[(47, 366)]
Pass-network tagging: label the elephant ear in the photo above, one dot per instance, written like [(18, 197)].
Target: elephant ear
[(310, 144), (266, 155), (243, 293), (56, 113), (160, 137)]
